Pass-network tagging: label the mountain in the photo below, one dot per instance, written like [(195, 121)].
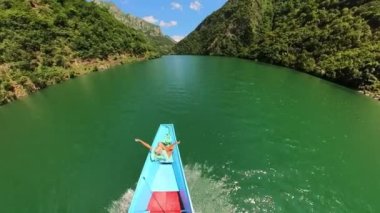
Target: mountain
[(162, 43), (44, 42), (129, 20), (335, 39)]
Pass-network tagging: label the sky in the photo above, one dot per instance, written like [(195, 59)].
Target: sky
[(177, 18)]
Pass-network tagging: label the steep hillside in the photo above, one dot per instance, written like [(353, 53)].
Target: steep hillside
[(43, 42), (337, 40), (130, 20), (162, 43), (230, 30)]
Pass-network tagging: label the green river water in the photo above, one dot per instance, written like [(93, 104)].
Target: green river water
[(255, 138)]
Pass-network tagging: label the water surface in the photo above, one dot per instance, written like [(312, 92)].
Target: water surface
[(260, 138)]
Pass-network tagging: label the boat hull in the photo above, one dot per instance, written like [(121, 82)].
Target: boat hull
[(162, 186)]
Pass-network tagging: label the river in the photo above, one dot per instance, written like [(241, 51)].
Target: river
[(254, 137)]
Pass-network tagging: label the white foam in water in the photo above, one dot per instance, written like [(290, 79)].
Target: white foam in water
[(214, 194), (207, 194), (239, 192), (121, 205), (259, 204)]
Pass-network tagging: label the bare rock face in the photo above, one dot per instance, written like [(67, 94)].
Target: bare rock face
[(162, 43), (131, 21)]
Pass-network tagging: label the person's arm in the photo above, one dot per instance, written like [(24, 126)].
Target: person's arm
[(143, 143), (172, 145)]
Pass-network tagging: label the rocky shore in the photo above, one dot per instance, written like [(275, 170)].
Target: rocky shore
[(374, 95)]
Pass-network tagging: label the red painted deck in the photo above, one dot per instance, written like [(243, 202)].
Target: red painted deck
[(165, 202)]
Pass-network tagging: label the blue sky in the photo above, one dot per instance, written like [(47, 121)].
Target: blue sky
[(177, 18)]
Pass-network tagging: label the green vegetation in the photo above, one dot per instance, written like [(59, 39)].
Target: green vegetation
[(163, 44), (44, 42), (335, 39)]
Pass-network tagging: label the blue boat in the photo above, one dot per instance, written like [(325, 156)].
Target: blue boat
[(162, 185)]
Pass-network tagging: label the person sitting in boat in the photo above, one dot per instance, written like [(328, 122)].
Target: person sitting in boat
[(164, 149)]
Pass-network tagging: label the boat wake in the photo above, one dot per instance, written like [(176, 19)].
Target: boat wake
[(122, 204), (207, 193), (229, 193)]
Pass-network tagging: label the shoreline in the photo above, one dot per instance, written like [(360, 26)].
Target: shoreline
[(19, 84), (370, 94), (56, 75), (375, 95)]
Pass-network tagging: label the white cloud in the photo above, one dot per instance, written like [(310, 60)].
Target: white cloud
[(176, 6), (177, 38), (150, 19), (168, 24), (195, 5), (161, 23)]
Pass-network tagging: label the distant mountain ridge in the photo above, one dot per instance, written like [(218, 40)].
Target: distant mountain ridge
[(130, 20), (335, 39), (163, 43)]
